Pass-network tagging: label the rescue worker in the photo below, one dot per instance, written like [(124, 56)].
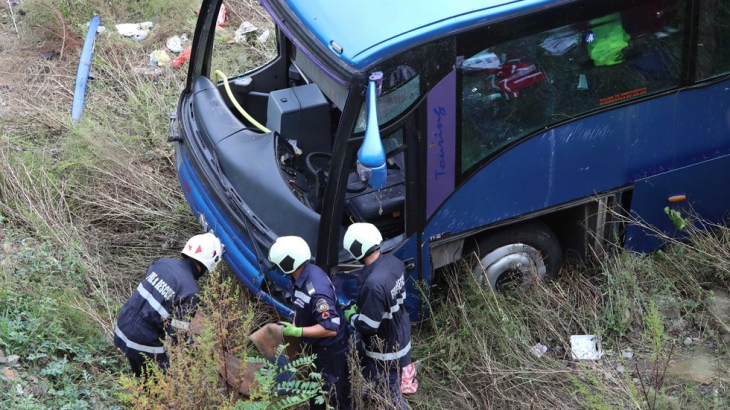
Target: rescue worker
[(317, 319), (379, 315), (164, 303)]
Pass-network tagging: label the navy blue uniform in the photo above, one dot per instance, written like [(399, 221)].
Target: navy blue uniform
[(383, 322), (316, 303), (162, 303)]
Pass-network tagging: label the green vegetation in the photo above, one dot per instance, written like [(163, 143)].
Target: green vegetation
[(84, 209)]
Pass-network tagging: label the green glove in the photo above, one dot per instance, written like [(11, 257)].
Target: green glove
[(349, 312), (291, 330)]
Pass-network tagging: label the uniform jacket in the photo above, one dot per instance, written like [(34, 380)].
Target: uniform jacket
[(165, 301), (316, 303), (381, 318)]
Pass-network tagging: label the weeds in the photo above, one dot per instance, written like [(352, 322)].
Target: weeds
[(202, 373)]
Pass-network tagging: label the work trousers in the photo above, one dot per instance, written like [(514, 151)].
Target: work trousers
[(331, 361), (138, 361), (382, 373)]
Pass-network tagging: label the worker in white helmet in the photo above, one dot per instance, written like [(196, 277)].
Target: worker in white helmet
[(318, 318), (379, 315), (164, 303)]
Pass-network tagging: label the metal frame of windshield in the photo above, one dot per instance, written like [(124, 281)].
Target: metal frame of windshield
[(200, 56)]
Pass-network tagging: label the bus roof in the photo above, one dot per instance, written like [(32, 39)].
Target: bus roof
[(371, 30)]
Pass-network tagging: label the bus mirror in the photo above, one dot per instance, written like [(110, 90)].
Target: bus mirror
[(371, 167)]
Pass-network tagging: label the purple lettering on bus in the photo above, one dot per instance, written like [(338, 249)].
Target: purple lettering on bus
[(441, 132)]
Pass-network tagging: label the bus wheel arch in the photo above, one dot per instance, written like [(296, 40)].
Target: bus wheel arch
[(515, 251)]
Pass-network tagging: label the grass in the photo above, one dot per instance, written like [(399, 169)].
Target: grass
[(475, 351), (84, 209)]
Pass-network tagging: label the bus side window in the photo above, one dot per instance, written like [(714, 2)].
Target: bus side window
[(513, 89), (713, 54)]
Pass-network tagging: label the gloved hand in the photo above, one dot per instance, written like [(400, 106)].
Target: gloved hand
[(291, 330), (349, 312)]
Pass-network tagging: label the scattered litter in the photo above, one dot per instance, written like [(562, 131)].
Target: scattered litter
[(582, 82), (138, 31), (48, 55), (159, 58), (627, 354), (584, 347), (148, 71), (409, 384), (174, 44), (184, 37), (264, 36), (245, 28), (222, 16), (184, 55), (539, 349)]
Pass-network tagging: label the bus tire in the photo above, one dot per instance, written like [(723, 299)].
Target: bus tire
[(514, 254)]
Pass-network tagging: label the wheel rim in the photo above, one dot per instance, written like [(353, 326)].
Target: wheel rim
[(508, 263)]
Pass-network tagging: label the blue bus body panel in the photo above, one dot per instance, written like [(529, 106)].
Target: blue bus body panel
[(705, 186), (598, 153), (372, 30), (239, 253)]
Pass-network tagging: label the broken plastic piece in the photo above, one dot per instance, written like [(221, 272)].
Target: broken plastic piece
[(585, 347)]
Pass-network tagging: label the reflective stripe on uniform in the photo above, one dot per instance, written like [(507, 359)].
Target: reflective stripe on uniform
[(370, 322), (153, 302), (303, 296), (136, 346), (389, 356), (336, 320), (393, 309), (180, 324)]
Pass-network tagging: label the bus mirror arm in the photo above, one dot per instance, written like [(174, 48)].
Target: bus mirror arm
[(371, 165)]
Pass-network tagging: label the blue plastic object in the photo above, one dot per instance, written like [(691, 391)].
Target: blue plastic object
[(372, 154), (82, 74)]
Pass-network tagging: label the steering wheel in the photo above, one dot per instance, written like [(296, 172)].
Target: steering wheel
[(313, 169)]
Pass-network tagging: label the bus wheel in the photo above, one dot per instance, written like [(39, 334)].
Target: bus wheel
[(517, 254)]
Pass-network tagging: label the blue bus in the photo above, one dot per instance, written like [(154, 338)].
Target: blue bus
[(513, 130)]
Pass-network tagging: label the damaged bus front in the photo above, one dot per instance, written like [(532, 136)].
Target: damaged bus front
[(274, 151)]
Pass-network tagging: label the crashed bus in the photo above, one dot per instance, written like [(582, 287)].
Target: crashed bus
[(519, 131)]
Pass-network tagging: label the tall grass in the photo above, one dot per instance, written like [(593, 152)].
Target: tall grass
[(475, 351)]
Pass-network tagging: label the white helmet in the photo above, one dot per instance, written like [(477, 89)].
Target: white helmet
[(289, 253), (205, 248), (361, 239)]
